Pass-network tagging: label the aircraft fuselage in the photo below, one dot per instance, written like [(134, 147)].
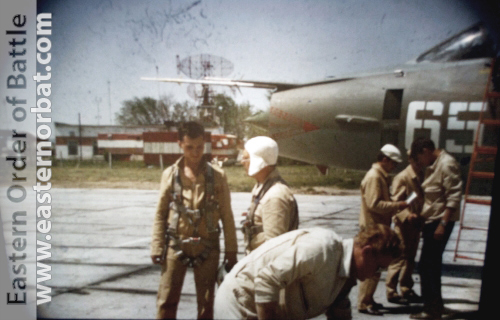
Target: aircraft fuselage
[(344, 122)]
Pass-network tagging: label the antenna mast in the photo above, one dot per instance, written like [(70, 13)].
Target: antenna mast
[(203, 66)]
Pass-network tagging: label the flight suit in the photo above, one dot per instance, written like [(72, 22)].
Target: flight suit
[(313, 265), (173, 269), (276, 212), (376, 207), (401, 269)]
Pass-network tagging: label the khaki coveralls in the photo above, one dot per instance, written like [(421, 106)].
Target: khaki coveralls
[(376, 207), (314, 265), (401, 269), (173, 271), (276, 212)]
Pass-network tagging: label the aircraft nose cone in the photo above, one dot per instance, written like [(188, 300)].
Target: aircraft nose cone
[(260, 119)]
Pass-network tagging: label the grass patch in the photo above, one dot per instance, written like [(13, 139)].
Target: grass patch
[(88, 174), (299, 176)]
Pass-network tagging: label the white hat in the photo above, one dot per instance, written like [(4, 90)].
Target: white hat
[(392, 152), (263, 152)]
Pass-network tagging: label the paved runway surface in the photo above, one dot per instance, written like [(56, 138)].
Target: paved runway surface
[(101, 266)]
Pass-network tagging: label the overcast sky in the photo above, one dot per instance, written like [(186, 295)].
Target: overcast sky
[(107, 45)]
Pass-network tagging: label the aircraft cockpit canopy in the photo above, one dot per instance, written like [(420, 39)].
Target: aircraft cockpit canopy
[(473, 43)]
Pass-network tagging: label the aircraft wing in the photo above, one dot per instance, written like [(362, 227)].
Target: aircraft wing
[(278, 86)]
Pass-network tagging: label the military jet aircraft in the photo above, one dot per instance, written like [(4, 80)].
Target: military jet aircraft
[(344, 121)]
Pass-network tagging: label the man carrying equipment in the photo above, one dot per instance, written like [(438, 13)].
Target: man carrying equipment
[(408, 225), (377, 207)]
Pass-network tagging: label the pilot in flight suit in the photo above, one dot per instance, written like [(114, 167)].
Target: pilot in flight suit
[(186, 226), (273, 210)]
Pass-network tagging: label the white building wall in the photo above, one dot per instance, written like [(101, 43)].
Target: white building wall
[(64, 130), (162, 147), (109, 144), (88, 152), (62, 152), (169, 147)]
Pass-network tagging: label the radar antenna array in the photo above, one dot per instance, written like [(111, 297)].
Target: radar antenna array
[(203, 66)]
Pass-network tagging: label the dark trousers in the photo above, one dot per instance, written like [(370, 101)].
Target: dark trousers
[(431, 261)]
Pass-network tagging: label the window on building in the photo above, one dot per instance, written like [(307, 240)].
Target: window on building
[(95, 149), (72, 148)]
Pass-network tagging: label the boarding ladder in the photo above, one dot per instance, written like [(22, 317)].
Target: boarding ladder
[(482, 158)]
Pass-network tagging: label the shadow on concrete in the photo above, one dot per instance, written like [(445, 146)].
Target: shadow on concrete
[(463, 315), (461, 301), (460, 271), (402, 309), (449, 313)]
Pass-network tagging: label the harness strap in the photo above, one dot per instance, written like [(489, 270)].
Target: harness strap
[(176, 203), (251, 228), (256, 229), (256, 200), (210, 203), (194, 217), (193, 261)]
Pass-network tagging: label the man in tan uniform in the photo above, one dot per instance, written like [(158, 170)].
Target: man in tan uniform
[(377, 208), (442, 196), (273, 210), (408, 225), (316, 267), (194, 196)]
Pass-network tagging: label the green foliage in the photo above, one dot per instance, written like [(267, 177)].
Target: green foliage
[(299, 177), (148, 110), (232, 116)]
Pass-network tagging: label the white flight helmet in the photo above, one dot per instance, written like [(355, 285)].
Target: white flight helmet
[(263, 152)]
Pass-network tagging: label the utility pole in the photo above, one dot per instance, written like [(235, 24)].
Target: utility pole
[(80, 134), (109, 100), (158, 89), (98, 100)]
